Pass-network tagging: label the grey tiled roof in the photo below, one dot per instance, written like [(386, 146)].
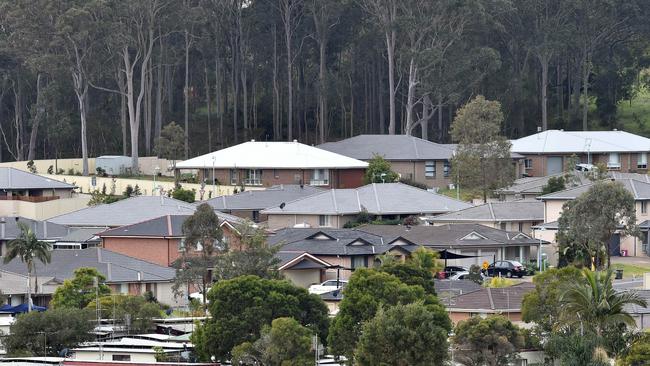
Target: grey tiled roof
[(116, 267), (261, 199), (448, 289), (525, 210), (376, 198), (534, 185), (493, 299), (330, 242), (164, 226), (391, 147), (81, 235), (44, 230), (12, 178), (451, 235), (639, 189), (125, 212)]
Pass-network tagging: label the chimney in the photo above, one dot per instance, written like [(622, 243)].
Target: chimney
[(646, 281)]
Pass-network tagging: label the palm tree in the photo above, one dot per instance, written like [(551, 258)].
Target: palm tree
[(28, 248), (592, 304)]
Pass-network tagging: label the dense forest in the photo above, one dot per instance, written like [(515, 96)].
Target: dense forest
[(92, 77)]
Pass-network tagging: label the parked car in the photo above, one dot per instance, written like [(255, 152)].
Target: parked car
[(452, 270), (464, 276), (584, 167), (506, 268), (327, 286)]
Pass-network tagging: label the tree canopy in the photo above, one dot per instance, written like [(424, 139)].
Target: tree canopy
[(403, 335), (491, 341), (482, 158), (241, 307), (78, 292), (587, 223)]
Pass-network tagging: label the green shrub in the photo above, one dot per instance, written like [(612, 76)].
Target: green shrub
[(186, 195)]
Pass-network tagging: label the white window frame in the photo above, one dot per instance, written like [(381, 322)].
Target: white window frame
[(320, 177), (430, 169), (253, 177), (642, 160), (528, 163), (614, 161), (324, 221), (233, 177)]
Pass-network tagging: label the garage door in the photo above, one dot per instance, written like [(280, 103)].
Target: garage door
[(553, 165)]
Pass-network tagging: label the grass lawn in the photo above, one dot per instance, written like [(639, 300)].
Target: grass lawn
[(635, 117), (465, 195), (631, 270)]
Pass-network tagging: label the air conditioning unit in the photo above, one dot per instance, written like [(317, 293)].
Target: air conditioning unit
[(451, 186)]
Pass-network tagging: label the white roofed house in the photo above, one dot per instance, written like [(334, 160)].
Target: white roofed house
[(336, 207), (547, 152), (270, 163)]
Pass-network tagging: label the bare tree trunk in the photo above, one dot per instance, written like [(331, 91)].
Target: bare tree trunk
[(159, 96), (244, 86), (186, 94), (18, 120), (586, 70), (277, 133), (390, 47), (380, 100), (40, 109), (208, 107), (410, 99), (217, 89), (121, 84), (148, 108), (544, 63), (351, 105), (322, 87)]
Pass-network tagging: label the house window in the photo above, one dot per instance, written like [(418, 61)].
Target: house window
[(503, 226), (430, 169), (181, 245), (233, 177), (254, 177), (323, 221), (121, 357), (359, 262), (256, 216), (614, 161), (528, 163), (644, 207), (521, 227), (276, 174), (447, 168), (642, 161), (320, 177)]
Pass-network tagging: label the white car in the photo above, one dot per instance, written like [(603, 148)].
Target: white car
[(327, 286), (463, 276), (584, 167)]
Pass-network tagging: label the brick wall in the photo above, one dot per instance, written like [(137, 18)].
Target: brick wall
[(338, 178)]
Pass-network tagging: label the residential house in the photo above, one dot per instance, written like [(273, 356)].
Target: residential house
[(131, 350), (269, 163), (160, 240), (78, 238), (340, 251), (413, 158), (123, 274), (477, 243), (490, 301), (548, 152), (301, 268), (626, 245), (44, 231), (529, 188), (336, 207), (36, 197), (248, 204), (518, 216)]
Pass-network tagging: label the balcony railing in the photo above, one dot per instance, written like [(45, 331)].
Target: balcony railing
[(34, 199)]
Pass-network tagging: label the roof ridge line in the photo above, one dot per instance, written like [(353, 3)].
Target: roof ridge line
[(636, 194), (415, 147), (374, 188), (491, 211), (336, 207)]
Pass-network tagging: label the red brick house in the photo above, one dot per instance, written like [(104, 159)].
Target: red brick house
[(270, 163), (158, 240)]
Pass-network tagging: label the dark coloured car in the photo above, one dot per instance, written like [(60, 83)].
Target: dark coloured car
[(506, 269), (452, 270)]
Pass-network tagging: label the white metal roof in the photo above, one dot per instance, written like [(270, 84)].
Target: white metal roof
[(272, 155), (559, 141)]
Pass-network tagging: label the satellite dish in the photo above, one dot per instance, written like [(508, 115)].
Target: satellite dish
[(282, 205)]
